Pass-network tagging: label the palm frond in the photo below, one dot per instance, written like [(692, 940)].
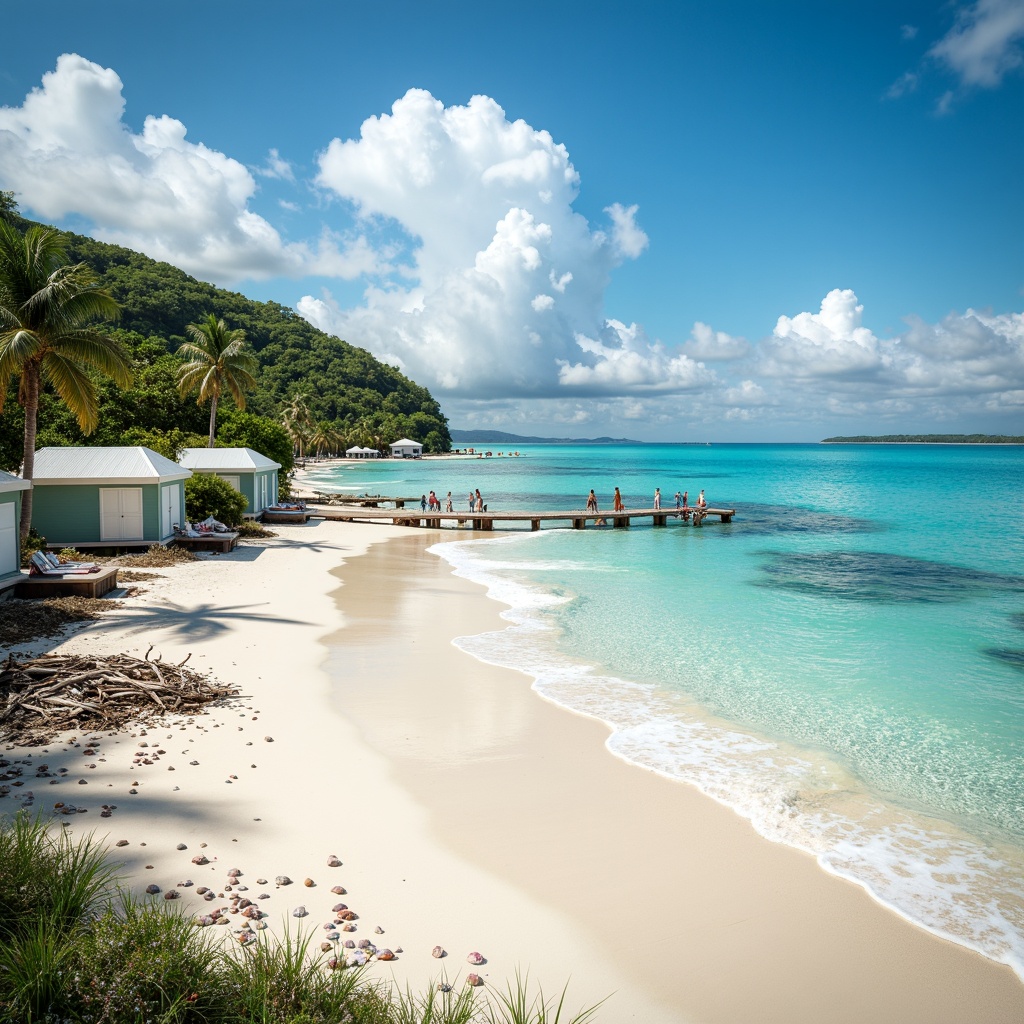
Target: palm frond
[(75, 388)]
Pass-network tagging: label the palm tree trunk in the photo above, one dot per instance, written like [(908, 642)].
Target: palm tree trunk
[(213, 420), (30, 379)]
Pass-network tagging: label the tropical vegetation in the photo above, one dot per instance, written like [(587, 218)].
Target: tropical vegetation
[(50, 311), (320, 379)]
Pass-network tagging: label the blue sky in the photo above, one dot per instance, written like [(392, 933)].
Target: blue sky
[(678, 221)]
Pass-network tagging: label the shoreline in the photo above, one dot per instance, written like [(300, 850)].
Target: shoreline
[(468, 812)]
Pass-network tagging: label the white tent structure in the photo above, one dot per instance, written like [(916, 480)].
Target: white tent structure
[(356, 452)]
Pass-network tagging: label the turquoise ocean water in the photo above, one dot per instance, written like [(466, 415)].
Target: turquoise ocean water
[(843, 664)]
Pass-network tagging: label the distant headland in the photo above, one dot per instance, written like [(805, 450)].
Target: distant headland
[(501, 437), (927, 439)]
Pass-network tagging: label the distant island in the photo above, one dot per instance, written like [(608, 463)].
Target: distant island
[(924, 439), (500, 437)]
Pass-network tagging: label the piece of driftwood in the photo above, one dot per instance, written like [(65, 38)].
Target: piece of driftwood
[(45, 696)]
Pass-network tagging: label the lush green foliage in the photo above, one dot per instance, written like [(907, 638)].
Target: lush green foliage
[(209, 495), (245, 430), (74, 946), (365, 401), (927, 439)]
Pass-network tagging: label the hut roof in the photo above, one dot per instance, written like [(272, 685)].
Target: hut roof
[(12, 483), (404, 443), (135, 465), (225, 460)]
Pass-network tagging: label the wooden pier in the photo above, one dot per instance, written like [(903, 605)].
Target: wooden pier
[(485, 520)]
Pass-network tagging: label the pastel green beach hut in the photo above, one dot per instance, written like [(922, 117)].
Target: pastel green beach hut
[(11, 488), (246, 470), (124, 497)]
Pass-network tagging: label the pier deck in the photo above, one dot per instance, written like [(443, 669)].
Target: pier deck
[(486, 520)]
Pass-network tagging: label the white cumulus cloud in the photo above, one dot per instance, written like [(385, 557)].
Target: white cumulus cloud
[(984, 44), (66, 150), (497, 275)]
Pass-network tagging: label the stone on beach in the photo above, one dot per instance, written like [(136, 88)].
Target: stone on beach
[(339, 890), (476, 959), (299, 912), (333, 862), (152, 889), (438, 952), (474, 980), (282, 880)]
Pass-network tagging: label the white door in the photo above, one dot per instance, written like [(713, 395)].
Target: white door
[(121, 513), (170, 509), (8, 538)]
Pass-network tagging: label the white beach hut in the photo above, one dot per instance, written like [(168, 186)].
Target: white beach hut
[(355, 452), (406, 449)]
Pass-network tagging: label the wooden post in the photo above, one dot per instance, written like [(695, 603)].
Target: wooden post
[(534, 525)]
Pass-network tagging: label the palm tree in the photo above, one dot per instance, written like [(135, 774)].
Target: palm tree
[(298, 421), (324, 439), (217, 359), (48, 335)]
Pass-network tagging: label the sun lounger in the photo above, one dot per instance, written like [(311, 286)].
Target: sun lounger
[(40, 565)]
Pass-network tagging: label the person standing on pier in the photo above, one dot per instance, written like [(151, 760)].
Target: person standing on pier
[(618, 501), (701, 503), (685, 513), (479, 501), (472, 501), (679, 499), (448, 503), (592, 501), (423, 503), (657, 497)]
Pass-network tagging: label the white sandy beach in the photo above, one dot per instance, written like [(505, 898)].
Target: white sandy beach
[(467, 811)]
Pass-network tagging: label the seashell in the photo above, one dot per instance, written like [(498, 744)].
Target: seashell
[(172, 894), (210, 895), (378, 930), (243, 903), (234, 872), (282, 880), (474, 980), (263, 896), (333, 936), (348, 927), (202, 920), (475, 958), (252, 913), (199, 859), (333, 862), (349, 944), (181, 846), (364, 944), (347, 915), (299, 912), (339, 907), (325, 947), (357, 957), (152, 889), (309, 883), (398, 949), (259, 924), (269, 739), (438, 952), (187, 883), (261, 881), (222, 920), (443, 986), (385, 954), (202, 890), (338, 890), (241, 888)]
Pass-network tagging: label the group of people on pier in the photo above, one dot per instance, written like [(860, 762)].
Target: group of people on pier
[(432, 503), (683, 506)]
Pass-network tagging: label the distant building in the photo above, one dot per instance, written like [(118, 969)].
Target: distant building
[(362, 453), (406, 449)]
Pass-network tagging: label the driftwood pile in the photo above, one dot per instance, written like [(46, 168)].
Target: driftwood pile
[(45, 696)]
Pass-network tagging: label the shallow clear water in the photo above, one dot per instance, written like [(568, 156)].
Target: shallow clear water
[(843, 664)]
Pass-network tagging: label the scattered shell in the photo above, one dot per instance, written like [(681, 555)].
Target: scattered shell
[(333, 936), (325, 947), (333, 862), (261, 881), (282, 880), (121, 842), (338, 890), (385, 954), (379, 930), (152, 889), (443, 986), (333, 963), (299, 912), (349, 944), (269, 739), (234, 872), (438, 952), (339, 907), (357, 957), (263, 896), (347, 915), (476, 959), (348, 927), (364, 944), (203, 920), (202, 890), (474, 980)]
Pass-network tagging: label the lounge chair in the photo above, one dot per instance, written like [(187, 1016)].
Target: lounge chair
[(56, 563), (39, 565)]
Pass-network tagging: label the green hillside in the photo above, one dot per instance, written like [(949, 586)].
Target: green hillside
[(366, 401)]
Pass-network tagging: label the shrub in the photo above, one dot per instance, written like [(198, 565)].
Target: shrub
[(209, 495)]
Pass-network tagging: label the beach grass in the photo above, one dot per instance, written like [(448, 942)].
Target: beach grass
[(77, 946)]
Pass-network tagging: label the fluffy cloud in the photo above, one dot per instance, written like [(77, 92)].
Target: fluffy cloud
[(66, 150), (499, 277), (829, 343), (984, 44), (715, 346)]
